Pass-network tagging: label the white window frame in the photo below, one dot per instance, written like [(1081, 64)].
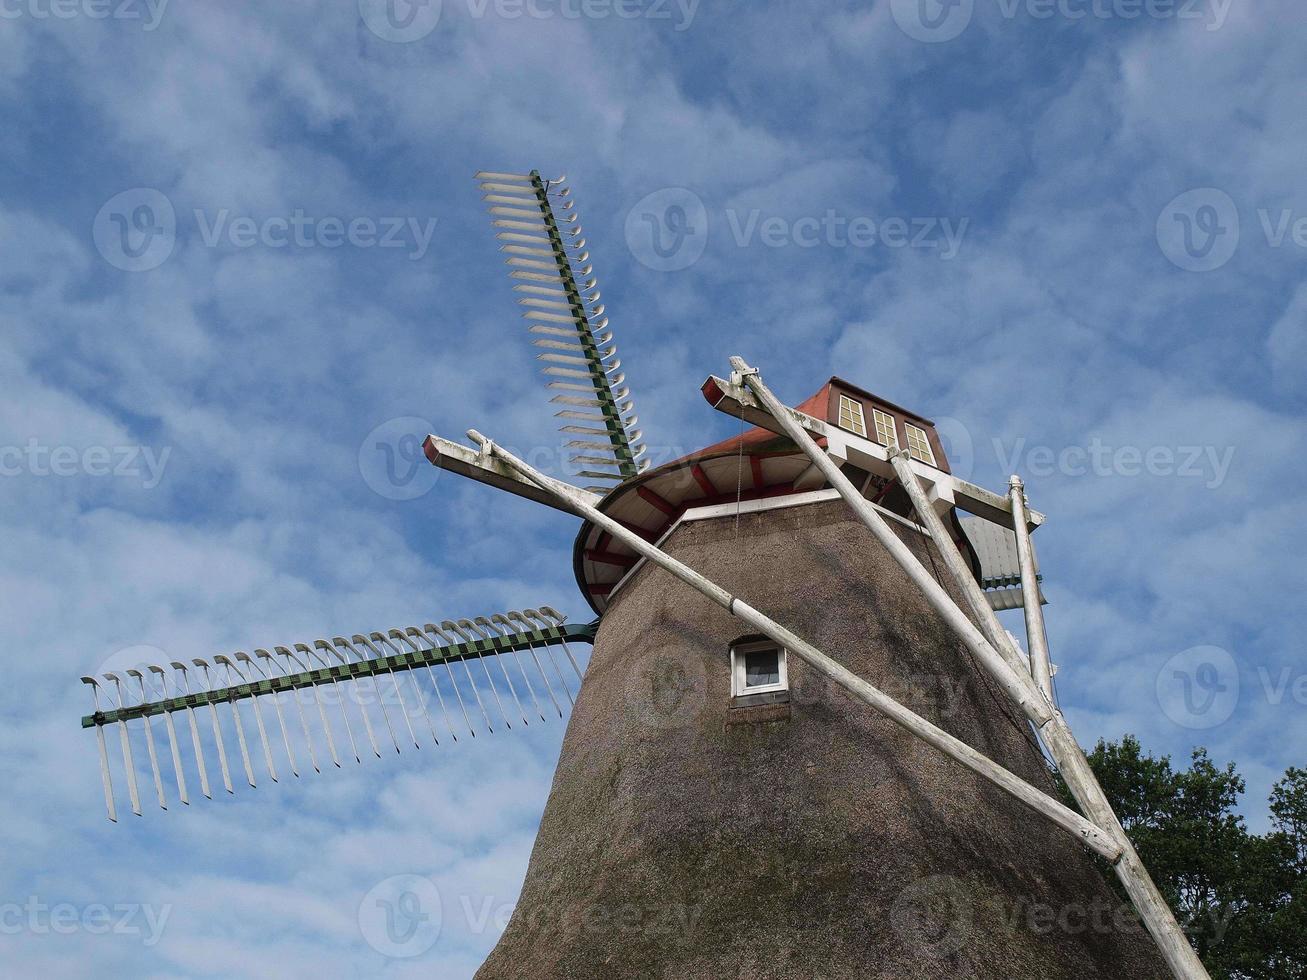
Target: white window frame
[(857, 416), (923, 452), (885, 421), (738, 652)]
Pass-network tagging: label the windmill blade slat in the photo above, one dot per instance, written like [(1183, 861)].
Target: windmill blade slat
[(554, 289), (517, 212), (559, 372), (511, 199), (492, 186), (579, 430), (545, 304), (551, 317), (523, 238), (526, 250), (530, 210), (494, 175), (575, 400)]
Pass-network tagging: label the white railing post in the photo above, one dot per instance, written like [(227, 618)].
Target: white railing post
[(1041, 664)]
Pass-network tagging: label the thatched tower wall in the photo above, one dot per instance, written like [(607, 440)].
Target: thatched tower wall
[(685, 838)]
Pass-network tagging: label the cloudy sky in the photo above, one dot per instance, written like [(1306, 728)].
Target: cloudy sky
[(1072, 232)]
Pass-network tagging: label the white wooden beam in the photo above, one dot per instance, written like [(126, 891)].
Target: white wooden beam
[(483, 468), (1041, 665)]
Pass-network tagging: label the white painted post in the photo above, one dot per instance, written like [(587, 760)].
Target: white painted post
[(956, 749), (981, 610), (1041, 665)]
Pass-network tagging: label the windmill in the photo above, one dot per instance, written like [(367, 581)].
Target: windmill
[(725, 804)]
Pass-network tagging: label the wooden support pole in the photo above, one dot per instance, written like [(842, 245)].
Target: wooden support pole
[(1052, 727), (1082, 829), (1041, 664), (981, 611)]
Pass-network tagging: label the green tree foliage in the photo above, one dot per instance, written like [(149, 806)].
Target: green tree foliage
[(1241, 897)]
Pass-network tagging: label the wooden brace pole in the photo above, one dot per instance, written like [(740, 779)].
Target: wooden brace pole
[(1052, 727), (1041, 664), (1082, 829), (981, 610)]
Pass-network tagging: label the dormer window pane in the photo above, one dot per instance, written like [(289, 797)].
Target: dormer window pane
[(886, 434), (919, 444), (851, 417)]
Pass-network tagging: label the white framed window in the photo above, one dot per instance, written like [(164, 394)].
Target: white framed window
[(919, 444), (851, 417), (759, 668), (886, 434)]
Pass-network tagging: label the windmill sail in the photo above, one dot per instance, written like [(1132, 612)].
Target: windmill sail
[(541, 235), (519, 678)]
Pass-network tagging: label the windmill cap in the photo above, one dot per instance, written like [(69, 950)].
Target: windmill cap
[(756, 463)]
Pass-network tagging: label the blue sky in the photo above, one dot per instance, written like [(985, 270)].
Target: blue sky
[(1079, 247)]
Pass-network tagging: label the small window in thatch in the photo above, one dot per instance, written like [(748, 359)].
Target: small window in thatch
[(758, 668)]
